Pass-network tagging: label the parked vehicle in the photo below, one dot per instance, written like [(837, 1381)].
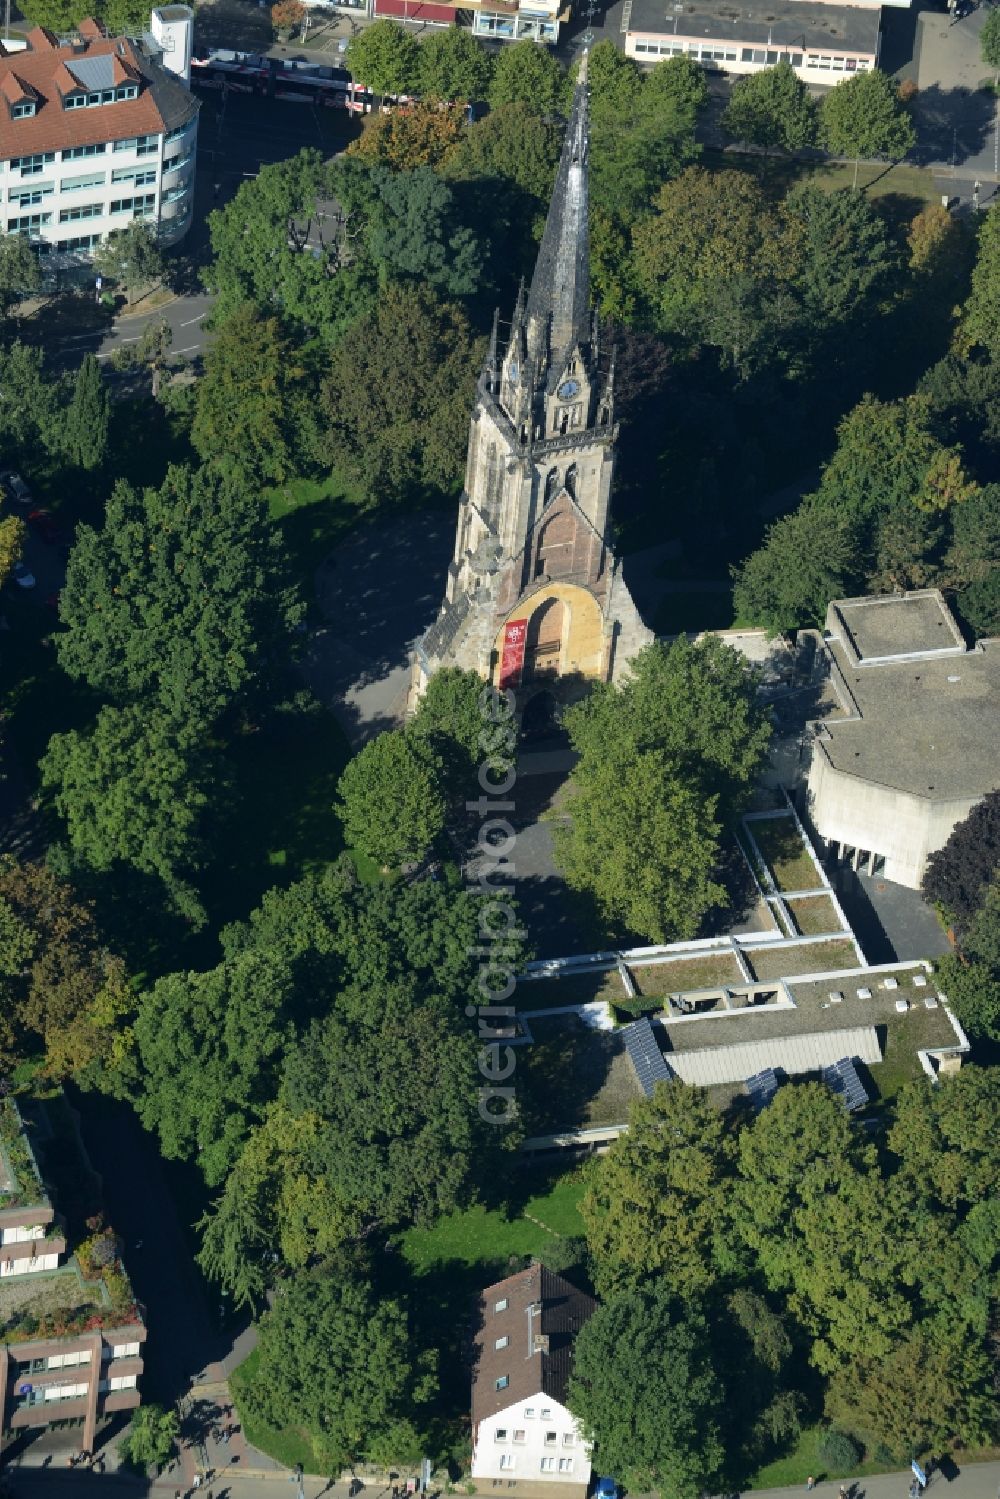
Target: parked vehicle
[(15, 486), (607, 1488), (44, 523), (22, 577)]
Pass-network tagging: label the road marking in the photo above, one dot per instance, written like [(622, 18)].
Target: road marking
[(189, 350), (192, 320)]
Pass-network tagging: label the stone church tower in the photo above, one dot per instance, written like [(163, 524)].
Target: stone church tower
[(535, 596)]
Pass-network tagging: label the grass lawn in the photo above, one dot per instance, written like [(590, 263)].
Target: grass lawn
[(575, 989), (876, 179), (655, 980), (902, 1037), (286, 1444), (814, 915), (804, 1460), (781, 845), (574, 1078), (481, 1236), (313, 516), (811, 957)]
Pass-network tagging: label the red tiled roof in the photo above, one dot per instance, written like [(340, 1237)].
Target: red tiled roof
[(46, 72), (90, 28)]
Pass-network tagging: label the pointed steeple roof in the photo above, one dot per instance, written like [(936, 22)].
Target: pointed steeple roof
[(559, 299)]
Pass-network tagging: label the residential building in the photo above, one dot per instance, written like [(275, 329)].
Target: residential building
[(70, 1343), (823, 43), (534, 597), (96, 131), (522, 1430), (500, 20), (910, 742)]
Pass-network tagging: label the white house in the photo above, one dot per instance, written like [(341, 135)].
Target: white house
[(95, 131), (522, 1432)]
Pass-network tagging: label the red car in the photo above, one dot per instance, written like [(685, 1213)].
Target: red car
[(44, 523)]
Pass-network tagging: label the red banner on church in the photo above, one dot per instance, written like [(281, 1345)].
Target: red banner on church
[(512, 659)]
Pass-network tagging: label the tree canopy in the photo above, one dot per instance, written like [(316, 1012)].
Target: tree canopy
[(385, 58), (863, 116), (958, 872), (391, 802), (771, 108)]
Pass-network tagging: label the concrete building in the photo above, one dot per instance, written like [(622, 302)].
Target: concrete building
[(96, 131), (522, 1432), (70, 1343), (535, 598), (910, 744), (823, 43), (500, 20)]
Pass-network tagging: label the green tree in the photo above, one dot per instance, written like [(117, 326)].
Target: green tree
[(958, 873), (249, 397), (989, 42), (511, 145), (530, 75), (697, 703), (412, 233), (400, 436), (980, 325), (19, 272), (134, 790), (932, 1390), (208, 1049), (771, 108), (865, 117), (643, 843), (944, 1136), (32, 407), (426, 135), (646, 1392), (452, 66), (182, 597), (972, 561), (151, 1437), (971, 980), (13, 534), (131, 257), (808, 558), (654, 1203), (57, 977), (128, 17), (329, 1360), (87, 418), (391, 802), (385, 58), (451, 719), (848, 262)]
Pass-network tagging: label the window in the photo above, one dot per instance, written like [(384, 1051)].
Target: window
[(122, 1382), (519, 1434), (529, 1412), (500, 1306), (69, 1360), (28, 221), (501, 1342), (546, 1413), (565, 1465), (142, 145), (550, 1438), (28, 166), (65, 1391), (548, 1465), (176, 134), (75, 152), (141, 176), (21, 110), (25, 196), (81, 211), (74, 101), (506, 1460), (503, 1382), (135, 206), (569, 1440), (500, 1435), (125, 1350), (80, 242), (87, 179)]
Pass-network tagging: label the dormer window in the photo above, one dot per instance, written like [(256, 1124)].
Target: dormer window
[(21, 110)]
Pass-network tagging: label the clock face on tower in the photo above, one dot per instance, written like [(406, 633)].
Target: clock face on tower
[(568, 389)]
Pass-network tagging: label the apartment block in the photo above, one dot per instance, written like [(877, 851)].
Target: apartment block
[(71, 1331), (96, 131)]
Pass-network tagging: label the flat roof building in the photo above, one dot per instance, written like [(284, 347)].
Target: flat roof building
[(911, 743), (823, 43)]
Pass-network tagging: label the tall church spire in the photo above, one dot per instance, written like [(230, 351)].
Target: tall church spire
[(559, 299)]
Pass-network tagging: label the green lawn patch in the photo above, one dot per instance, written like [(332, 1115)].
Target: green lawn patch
[(875, 179), (811, 957), (656, 980), (573, 1077), (803, 1461), (781, 845), (575, 989), (314, 516), (286, 1444), (814, 914), (919, 1029), (481, 1236)]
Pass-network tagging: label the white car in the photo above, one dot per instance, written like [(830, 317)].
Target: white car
[(16, 487), (22, 577)]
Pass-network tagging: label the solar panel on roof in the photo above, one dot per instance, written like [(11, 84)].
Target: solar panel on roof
[(842, 1078), (762, 1087), (93, 72), (646, 1056)]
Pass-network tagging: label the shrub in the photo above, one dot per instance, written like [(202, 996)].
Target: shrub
[(563, 1254), (839, 1450)]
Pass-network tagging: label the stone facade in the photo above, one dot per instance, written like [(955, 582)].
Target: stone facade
[(532, 542)]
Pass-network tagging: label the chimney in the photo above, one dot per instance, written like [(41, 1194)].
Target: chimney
[(540, 1343)]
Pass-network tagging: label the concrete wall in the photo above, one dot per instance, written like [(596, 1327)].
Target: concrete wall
[(532, 1421), (901, 828)]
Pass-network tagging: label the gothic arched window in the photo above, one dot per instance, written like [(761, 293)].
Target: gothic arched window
[(551, 484), (569, 483)]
